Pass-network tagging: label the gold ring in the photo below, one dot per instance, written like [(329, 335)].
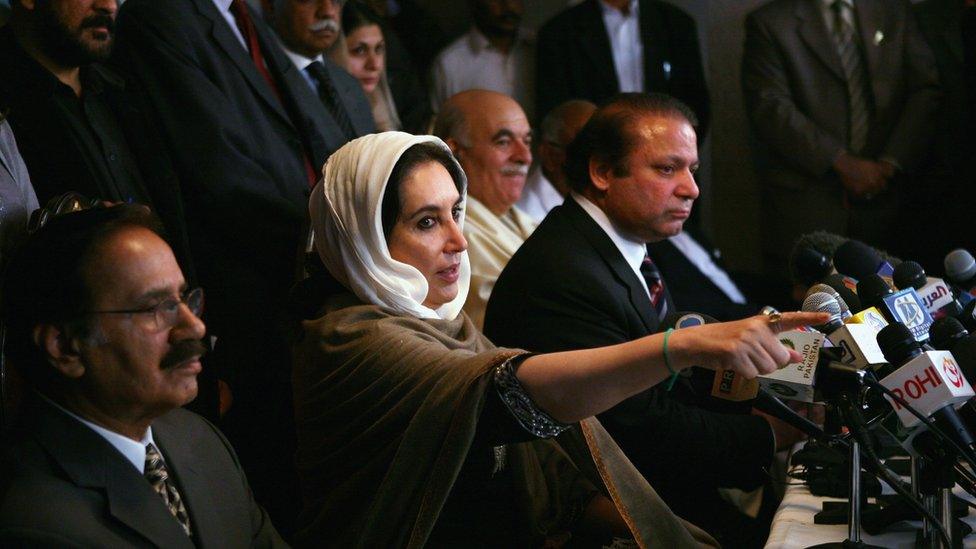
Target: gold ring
[(774, 319)]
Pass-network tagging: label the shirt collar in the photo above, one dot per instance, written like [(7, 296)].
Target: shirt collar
[(633, 9), (633, 250), (223, 5), (298, 59), (827, 3), (131, 450)]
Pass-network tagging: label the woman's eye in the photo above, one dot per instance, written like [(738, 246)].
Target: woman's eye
[(359, 51), (380, 50), (456, 213), (426, 223)]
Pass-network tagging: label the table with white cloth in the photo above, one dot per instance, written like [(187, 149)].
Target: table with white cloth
[(793, 526)]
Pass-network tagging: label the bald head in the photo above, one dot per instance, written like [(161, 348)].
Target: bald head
[(559, 128), (491, 138)]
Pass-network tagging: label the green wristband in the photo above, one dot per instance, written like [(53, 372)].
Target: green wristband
[(667, 360)]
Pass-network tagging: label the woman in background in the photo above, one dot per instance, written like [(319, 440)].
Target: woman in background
[(366, 60)]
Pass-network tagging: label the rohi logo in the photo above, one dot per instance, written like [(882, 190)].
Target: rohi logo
[(952, 371)]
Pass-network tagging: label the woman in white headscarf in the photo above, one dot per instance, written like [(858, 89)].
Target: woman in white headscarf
[(415, 430)]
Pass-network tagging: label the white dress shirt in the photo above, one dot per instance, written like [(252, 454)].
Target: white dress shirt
[(702, 260), (828, 15), (632, 249), (539, 195), (133, 451), (626, 45), (471, 62)]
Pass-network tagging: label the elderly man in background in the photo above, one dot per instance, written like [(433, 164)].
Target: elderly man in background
[(546, 186), (307, 30), (496, 54), (490, 135), (101, 324)]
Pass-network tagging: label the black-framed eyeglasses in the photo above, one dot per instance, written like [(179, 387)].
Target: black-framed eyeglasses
[(166, 313)]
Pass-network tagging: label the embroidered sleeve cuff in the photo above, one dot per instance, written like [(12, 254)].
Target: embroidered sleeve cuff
[(520, 405)]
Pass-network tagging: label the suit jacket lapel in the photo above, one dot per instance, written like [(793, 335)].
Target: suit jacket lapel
[(91, 462), (193, 485), (872, 24), (615, 261), (653, 32), (238, 54), (596, 44), (813, 31)]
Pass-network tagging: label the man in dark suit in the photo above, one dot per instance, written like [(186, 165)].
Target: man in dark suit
[(307, 30), (842, 97), (248, 137), (102, 326), (578, 55), (76, 127), (581, 280)]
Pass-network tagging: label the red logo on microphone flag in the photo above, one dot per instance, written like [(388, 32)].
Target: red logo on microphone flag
[(952, 371)]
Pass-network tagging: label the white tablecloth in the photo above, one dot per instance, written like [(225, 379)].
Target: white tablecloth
[(793, 526)]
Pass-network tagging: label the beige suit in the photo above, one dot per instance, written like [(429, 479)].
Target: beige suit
[(796, 97)]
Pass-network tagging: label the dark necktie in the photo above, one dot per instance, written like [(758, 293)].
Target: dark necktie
[(655, 286), (158, 476), (852, 63), (330, 96), (246, 25)]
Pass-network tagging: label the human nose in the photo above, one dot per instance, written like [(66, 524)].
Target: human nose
[(373, 61), (329, 9), (188, 324), (106, 6), (688, 188), (522, 152), (456, 243)]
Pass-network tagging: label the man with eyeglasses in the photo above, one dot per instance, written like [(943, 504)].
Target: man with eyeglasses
[(104, 330)]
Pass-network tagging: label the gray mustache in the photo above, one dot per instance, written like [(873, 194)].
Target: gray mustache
[(325, 24)]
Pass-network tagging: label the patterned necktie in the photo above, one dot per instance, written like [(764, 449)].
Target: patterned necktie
[(852, 63), (158, 477), (655, 286), (246, 25), (330, 96)]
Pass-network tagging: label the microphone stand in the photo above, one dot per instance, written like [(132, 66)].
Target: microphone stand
[(853, 540)]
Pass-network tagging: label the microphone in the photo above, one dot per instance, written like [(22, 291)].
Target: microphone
[(809, 264), (904, 306), (846, 287), (930, 381), (856, 343), (845, 311), (857, 259), (870, 317), (936, 295), (822, 302), (795, 381), (960, 269)]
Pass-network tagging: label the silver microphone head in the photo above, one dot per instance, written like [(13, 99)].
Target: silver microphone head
[(845, 311), (821, 302), (959, 265)]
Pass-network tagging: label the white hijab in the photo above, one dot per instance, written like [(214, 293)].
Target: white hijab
[(346, 214)]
